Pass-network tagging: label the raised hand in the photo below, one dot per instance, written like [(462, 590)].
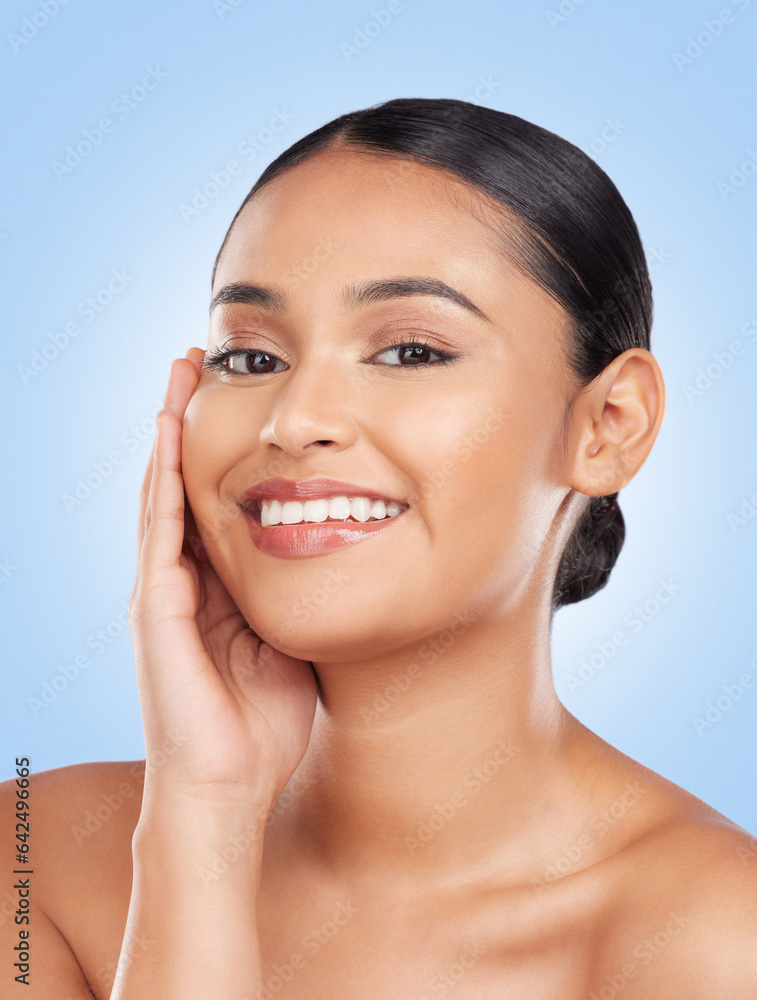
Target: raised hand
[(239, 712)]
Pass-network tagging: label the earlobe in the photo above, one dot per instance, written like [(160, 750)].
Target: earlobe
[(616, 419)]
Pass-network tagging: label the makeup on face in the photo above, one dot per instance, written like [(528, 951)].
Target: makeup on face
[(294, 519)]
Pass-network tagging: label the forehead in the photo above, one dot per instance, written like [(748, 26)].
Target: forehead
[(345, 217), (387, 208)]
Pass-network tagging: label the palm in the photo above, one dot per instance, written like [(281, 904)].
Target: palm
[(238, 714), (249, 704)]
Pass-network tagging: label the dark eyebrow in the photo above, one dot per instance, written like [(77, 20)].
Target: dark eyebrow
[(392, 288), (352, 296), (251, 295)]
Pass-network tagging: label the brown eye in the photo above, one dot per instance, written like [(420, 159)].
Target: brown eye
[(413, 354), (250, 362), (416, 353), (240, 362)]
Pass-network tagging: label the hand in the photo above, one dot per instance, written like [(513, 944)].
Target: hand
[(239, 711)]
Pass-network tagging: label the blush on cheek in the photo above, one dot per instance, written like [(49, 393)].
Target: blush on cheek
[(202, 452)]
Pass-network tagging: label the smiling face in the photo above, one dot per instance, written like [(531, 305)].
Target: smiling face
[(473, 446)]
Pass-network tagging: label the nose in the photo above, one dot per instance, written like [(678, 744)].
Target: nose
[(310, 410)]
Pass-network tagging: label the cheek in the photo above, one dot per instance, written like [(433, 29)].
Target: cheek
[(472, 458), (490, 490), (490, 494), (209, 449)]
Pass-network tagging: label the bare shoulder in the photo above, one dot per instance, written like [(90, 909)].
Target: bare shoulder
[(81, 810), (81, 821), (684, 921), (83, 817)]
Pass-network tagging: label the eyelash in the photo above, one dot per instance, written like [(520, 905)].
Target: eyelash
[(214, 360)]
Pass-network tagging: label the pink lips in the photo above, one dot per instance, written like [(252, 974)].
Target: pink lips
[(300, 541)]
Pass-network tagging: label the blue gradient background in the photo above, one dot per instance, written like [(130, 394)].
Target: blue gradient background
[(679, 131)]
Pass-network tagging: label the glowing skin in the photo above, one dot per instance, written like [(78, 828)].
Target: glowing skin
[(450, 825), (480, 546), (433, 654), (331, 414), (467, 547), (400, 734)]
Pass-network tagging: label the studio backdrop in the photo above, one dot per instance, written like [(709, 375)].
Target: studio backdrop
[(131, 134)]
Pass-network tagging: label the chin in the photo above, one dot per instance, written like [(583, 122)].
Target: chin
[(322, 642)]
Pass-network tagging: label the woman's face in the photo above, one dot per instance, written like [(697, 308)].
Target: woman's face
[(473, 447)]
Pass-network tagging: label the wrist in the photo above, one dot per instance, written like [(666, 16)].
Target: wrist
[(189, 848), (177, 815), (160, 787)]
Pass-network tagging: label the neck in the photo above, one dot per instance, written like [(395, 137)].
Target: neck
[(447, 756)]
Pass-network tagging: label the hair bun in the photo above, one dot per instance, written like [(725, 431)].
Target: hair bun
[(602, 508), (591, 551)]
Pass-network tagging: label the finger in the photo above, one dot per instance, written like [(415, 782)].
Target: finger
[(144, 493), (174, 401), (196, 355), (164, 519), (182, 388), (182, 383)]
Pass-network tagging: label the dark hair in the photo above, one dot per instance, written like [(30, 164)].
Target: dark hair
[(569, 230)]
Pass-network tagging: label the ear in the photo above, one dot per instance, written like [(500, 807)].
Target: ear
[(614, 423)]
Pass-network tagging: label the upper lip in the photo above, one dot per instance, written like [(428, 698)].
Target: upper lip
[(310, 489)]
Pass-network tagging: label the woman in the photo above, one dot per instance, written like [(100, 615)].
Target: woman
[(359, 779)]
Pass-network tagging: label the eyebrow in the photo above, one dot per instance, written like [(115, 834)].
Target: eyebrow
[(251, 295), (352, 296)]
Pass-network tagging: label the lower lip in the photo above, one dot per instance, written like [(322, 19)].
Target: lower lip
[(300, 541)]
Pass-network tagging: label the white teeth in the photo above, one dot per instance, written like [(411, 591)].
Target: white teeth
[(337, 508), (360, 508), (291, 512), (315, 510)]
